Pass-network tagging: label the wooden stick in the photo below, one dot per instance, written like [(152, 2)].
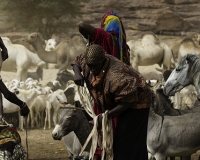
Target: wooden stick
[(72, 108), (68, 107), (3, 125)]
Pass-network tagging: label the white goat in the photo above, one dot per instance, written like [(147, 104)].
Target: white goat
[(37, 109), (81, 94), (53, 103), (26, 96), (184, 99)]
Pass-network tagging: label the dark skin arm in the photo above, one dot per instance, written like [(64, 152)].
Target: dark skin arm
[(86, 30), (120, 108), (9, 95), (4, 50), (24, 110), (78, 77)]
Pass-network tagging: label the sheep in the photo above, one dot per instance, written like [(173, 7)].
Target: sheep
[(54, 103), (37, 75), (184, 99), (80, 94), (38, 107), (54, 85), (152, 82), (26, 96)]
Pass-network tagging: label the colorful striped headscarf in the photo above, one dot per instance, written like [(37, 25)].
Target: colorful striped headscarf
[(111, 23)]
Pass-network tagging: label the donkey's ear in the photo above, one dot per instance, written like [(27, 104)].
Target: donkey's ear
[(186, 58)]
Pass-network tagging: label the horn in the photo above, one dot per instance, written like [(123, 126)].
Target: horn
[(160, 69)]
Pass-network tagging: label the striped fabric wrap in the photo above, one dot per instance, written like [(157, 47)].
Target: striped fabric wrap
[(111, 23), (9, 134)]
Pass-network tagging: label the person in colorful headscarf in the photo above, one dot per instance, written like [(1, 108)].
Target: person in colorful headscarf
[(123, 92), (111, 36)]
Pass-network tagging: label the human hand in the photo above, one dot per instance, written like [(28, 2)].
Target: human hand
[(4, 53), (99, 121), (24, 110), (78, 79)]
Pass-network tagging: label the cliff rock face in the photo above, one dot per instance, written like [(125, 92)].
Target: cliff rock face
[(166, 16), (169, 17)]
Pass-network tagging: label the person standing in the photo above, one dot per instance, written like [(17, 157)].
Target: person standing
[(24, 110), (111, 36), (122, 91)]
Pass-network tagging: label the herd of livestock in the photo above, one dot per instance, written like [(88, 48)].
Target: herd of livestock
[(46, 101)]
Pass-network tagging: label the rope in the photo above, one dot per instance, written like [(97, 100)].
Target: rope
[(94, 135), (26, 126), (106, 143), (68, 106)]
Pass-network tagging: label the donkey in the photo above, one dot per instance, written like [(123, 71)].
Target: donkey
[(167, 136), (75, 123), (187, 72), (163, 106)]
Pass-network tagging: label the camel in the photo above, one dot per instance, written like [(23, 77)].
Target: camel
[(24, 43), (187, 45), (148, 51), (20, 59), (64, 53)]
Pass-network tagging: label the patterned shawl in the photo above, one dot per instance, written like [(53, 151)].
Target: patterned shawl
[(9, 134)]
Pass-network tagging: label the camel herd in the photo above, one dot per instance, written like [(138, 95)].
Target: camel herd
[(147, 50)]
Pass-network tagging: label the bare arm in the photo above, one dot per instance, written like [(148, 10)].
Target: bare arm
[(78, 77), (120, 108), (4, 50), (9, 95), (2, 44), (86, 30), (24, 110)]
